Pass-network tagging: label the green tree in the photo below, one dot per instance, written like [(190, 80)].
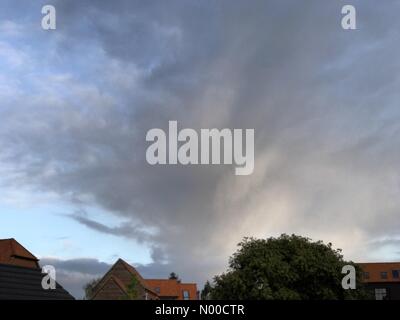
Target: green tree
[(206, 292), (89, 288), (288, 267), (174, 276), (133, 292)]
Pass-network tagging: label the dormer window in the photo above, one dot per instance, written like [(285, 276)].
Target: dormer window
[(186, 295)]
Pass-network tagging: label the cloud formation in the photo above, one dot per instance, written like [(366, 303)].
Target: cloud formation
[(323, 103), (73, 274)]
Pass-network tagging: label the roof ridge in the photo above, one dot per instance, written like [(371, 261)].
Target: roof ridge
[(394, 262), (14, 249), (160, 279), (132, 270)]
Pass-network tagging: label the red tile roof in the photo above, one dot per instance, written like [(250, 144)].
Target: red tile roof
[(164, 287), (171, 288), (13, 253), (375, 269)]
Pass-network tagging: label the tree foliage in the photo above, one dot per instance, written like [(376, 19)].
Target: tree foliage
[(206, 292), (287, 267), (133, 292), (174, 276), (89, 288)]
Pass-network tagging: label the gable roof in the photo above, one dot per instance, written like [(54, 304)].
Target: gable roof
[(20, 283), (120, 282), (116, 281), (134, 272), (12, 252)]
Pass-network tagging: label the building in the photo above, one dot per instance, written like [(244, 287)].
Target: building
[(116, 284), (173, 289), (383, 279), (13, 253), (21, 276)]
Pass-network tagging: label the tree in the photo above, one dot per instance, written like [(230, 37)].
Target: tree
[(89, 288), (133, 289), (288, 267), (174, 276), (206, 292)]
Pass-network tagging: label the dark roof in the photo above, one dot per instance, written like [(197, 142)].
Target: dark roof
[(19, 283)]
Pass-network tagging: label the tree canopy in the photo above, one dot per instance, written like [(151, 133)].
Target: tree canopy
[(287, 267), (174, 276), (133, 289)]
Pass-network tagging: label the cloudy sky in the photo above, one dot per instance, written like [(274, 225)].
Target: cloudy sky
[(76, 104)]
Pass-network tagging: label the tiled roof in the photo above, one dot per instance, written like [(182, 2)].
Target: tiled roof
[(171, 288), (12, 252), (191, 288), (19, 283), (375, 269), (166, 287)]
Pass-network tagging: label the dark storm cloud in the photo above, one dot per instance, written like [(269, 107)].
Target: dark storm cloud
[(323, 103), (127, 230), (87, 266), (73, 274)]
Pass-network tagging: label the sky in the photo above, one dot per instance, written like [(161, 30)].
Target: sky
[(76, 104)]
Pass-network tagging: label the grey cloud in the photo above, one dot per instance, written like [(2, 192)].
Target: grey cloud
[(83, 265), (75, 273), (323, 103), (128, 230)]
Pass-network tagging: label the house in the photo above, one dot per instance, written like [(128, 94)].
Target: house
[(117, 282), (383, 279), (21, 276), (13, 253), (173, 289)]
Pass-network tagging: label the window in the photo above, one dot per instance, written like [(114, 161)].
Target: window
[(380, 294), (366, 275), (395, 274), (186, 295), (157, 289), (384, 275)]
